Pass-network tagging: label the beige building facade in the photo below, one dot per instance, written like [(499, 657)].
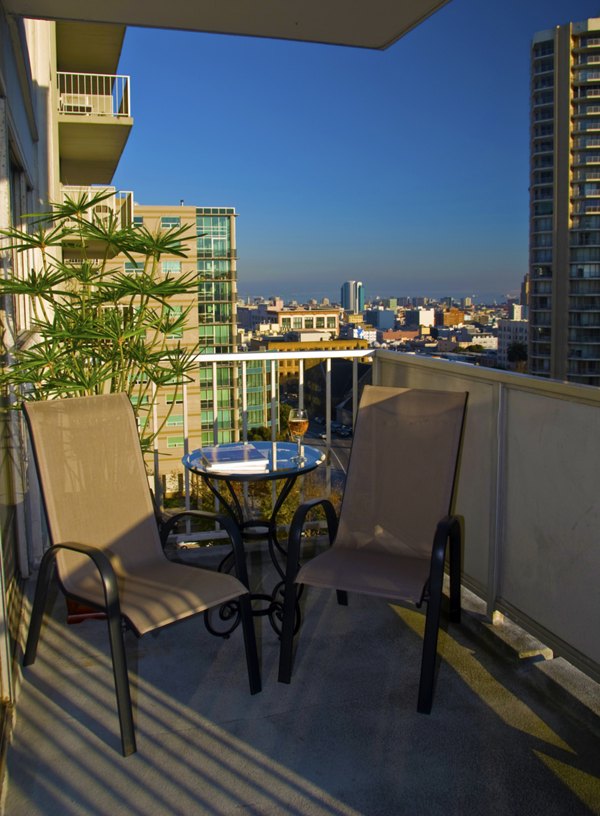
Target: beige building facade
[(564, 272)]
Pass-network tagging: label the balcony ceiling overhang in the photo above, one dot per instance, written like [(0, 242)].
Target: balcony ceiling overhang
[(372, 24), (85, 48)]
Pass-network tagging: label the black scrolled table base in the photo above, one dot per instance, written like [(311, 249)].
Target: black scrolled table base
[(223, 620)]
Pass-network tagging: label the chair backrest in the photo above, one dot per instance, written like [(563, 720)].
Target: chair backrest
[(93, 482), (402, 470)]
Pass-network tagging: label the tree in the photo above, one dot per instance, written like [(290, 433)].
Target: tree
[(94, 327)]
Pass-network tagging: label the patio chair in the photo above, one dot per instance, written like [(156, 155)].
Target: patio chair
[(395, 520), (105, 541)]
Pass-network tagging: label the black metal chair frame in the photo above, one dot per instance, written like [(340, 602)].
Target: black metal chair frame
[(447, 538), (115, 619)]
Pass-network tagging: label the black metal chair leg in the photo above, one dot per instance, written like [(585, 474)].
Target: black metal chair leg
[(250, 644), (428, 660), (287, 633), (455, 567), (124, 710), (39, 605)]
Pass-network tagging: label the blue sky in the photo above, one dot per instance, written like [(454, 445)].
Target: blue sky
[(406, 169)]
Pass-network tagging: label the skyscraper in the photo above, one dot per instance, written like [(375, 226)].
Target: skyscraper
[(352, 296), (564, 270)]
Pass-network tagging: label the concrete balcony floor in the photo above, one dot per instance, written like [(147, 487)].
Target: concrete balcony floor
[(344, 738)]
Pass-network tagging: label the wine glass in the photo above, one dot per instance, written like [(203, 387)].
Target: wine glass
[(298, 426)]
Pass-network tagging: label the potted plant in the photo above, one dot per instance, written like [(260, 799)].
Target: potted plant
[(95, 328)]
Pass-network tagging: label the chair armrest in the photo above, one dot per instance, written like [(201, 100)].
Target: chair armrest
[(448, 528), (297, 526), (448, 531), (102, 564), (109, 586), (227, 523)]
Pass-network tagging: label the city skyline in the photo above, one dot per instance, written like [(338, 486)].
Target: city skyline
[(407, 169)]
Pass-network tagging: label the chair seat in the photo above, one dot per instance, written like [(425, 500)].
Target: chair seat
[(369, 572), (161, 593)]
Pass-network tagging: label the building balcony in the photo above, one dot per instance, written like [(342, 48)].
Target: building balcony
[(118, 206), (94, 122), (331, 741)]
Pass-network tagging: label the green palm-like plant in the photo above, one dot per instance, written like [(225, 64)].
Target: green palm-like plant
[(94, 328)]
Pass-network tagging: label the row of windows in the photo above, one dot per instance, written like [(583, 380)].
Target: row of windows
[(586, 254), (216, 334), (166, 221), (214, 291), (585, 287), (588, 124), (585, 238), (215, 269), (308, 322), (587, 222), (167, 267), (544, 239), (215, 313), (590, 270), (215, 211), (542, 255)]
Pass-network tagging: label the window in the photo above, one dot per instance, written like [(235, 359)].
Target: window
[(133, 266), (175, 312), (331, 322), (320, 322), (175, 442), (309, 322), (297, 322), (175, 420), (138, 220), (172, 398), (171, 267), (169, 221)]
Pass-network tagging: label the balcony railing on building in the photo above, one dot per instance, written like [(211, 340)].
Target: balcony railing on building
[(528, 486), (118, 203), (93, 94)]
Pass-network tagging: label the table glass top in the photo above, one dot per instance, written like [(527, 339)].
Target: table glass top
[(279, 454)]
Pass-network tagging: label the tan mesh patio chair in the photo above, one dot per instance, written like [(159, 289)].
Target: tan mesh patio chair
[(105, 541), (395, 520)]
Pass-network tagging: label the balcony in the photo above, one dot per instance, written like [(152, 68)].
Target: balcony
[(94, 122), (333, 740), (118, 205)]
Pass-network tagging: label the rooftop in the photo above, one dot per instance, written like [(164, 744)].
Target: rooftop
[(506, 735)]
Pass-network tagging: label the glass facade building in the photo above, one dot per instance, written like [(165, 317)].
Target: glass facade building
[(353, 296), (564, 269)]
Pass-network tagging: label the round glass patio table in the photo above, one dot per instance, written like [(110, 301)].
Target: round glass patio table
[(282, 466)]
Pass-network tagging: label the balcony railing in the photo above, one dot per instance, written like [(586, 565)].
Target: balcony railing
[(119, 203), (528, 486), (93, 94)]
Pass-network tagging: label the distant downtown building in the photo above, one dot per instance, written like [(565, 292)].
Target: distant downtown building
[(353, 296), (564, 286)]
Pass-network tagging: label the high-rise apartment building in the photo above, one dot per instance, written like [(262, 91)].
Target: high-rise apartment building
[(211, 309), (564, 272), (353, 296), (211, 255)]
